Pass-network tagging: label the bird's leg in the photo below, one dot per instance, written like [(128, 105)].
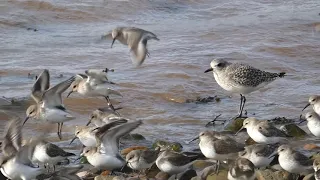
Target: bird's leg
[(148, 54), (111, 106), (217, 167), (54, 168), (240, 108), (59, 135), (61, 124)]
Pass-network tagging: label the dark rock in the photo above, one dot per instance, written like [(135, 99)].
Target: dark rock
[(186, 175), (162, 176), (235, 125), (293, 130), (204, 99), (167, 145)]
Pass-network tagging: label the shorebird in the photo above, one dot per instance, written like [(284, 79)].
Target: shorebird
[(240, 78), (217, 146), (48, 153), (316, 167), (86, 135), (106, 154), (259, 154), (141, 159), (102, 116), (49, 105), (93, 85), (242, 169), (314, 101), (136, 39), (263, 131), (293, 161), (15, 162), (313, 123), (173, 163)]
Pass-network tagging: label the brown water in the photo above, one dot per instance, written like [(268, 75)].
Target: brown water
[(271, 35)]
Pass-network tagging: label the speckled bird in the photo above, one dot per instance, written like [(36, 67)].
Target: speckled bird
[(240, 78)]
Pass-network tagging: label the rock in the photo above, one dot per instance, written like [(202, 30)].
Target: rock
[(207, 171), (153, 171), (309, 177), (136, 137), (204, 99), (162, 176), (129, 149), (293, 130), (222, 175), (101, 177), (311, 147), (167, 145), (269, 174), (186, 175), (201, 164), (235, 125), (84, 160)]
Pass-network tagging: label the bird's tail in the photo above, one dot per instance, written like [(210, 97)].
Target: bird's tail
[(282, 74)]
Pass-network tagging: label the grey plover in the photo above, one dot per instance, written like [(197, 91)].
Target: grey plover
[(259, 154), (263, 132), (173, 163), (48, 154), (316, 167), (102, 116), (293, 161), (217, 146), (106, 154), (141, 159), (49, 105), (314, 101), (136, 39), (89, 86), (242, 169), (240, 78), (313, 123), (15, 162)]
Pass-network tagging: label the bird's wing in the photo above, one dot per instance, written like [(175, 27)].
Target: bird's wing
[(12, 138), (40, 86), (139, 51), (264, 150), (52, 97), (54, 150), (149, 155), (180, 160), (227, 146), (109, 138), (302, 159), (269, 130), (108, 109)]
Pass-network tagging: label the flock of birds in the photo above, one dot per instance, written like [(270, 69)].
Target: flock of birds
[(32, 160)]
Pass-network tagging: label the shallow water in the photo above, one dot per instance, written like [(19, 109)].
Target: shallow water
[(274, 36)]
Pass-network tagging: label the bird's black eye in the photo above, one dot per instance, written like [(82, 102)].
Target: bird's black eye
[(201, 134), (74, 86), (260, 127), (220, 65), (313, 100), (310, 116), (77, 132), (87, 151), (281, 149)]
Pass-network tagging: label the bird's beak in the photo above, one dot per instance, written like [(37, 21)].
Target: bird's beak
[(81, 155), (25, 120), (272, 155), (124, 166), (69, 93), (196, 138), (239, 130), (306, 106), (208, 70), (114, 39), (88, 122), (75, 137)]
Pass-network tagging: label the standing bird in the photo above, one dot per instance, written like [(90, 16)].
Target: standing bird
[(313, 123), (217, 146), (49, 105), (94, 84), (48, 153), (242, 169), (259, 154), (316, 167), (314, 101), (173, 163), (106, 154), (293, 161), (16, 159), (141, 159), (240, 78), (136, 39), (263, 131)]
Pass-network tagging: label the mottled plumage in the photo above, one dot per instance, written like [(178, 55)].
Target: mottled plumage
[(241, 169)]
